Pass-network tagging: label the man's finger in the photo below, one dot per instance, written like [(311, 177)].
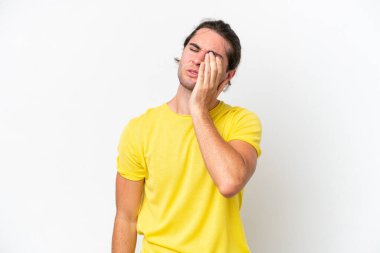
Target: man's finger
[(201, 73), (213, 71), (219, 66), (206, 79)]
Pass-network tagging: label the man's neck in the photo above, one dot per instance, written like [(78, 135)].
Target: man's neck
[(180, 103)]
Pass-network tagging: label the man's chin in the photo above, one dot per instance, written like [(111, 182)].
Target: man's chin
[(188, 86)]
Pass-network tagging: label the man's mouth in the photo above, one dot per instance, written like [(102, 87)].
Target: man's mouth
[(192, 73)]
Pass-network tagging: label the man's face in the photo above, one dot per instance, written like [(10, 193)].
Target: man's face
[(204, 41)]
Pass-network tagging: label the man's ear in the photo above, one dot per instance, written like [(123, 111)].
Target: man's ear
[(226, 82), (230, 75)]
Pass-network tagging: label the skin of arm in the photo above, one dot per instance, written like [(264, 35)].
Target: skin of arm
[(128, 200), (230, 164)]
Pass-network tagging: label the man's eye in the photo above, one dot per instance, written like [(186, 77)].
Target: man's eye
[(194, 49)]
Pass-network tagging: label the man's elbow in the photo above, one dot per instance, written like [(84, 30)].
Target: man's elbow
[(230, 188)]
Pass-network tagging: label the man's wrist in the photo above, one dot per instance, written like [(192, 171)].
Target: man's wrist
[(199, 112)]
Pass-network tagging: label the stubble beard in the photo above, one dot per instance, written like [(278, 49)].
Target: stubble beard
[(187, 84)]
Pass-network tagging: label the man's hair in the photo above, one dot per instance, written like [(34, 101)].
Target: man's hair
[(224, 30)]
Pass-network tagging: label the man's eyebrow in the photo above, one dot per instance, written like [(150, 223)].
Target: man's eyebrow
[(199, 48)]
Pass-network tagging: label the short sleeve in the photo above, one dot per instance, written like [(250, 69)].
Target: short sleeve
[(246, 126), (130, 160)]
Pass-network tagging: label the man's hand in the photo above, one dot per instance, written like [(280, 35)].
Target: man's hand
[(209, 84)]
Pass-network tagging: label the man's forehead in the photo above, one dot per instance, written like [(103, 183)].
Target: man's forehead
[(210, 40)]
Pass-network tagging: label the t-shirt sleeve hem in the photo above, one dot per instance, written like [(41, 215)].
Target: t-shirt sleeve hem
[(129, 176)]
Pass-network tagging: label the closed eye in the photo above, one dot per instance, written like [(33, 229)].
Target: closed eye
[(194, 49)]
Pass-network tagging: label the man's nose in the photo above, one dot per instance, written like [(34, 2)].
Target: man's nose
[(200, 57)]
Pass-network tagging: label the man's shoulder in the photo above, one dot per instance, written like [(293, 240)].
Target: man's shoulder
[(236, 111), (147, 116)]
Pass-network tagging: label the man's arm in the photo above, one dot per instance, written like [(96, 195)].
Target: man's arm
[(230, 164), (128, 200)]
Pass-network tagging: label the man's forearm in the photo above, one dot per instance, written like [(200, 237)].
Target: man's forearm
[(124, 236), (224, 164)]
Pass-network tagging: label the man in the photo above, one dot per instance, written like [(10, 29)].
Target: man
[(182, 166)]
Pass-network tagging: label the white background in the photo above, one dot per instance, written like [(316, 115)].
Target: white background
[(72, 74)]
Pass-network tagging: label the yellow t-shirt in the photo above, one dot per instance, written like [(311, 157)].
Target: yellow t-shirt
[(182, 209)]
